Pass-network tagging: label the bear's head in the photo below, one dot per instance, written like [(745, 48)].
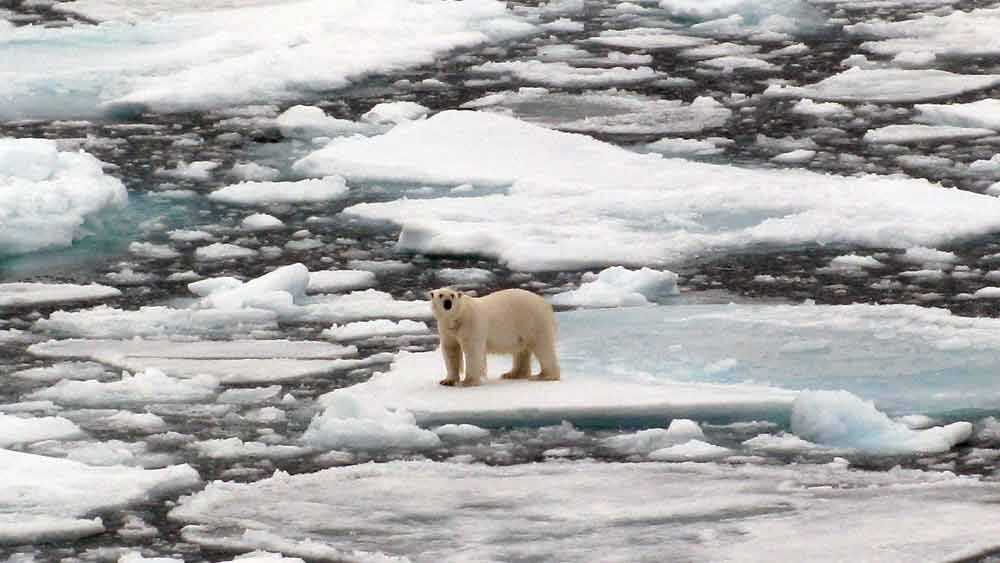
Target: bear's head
[(446, 303)]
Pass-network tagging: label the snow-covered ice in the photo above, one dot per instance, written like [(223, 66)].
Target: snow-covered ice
[(15, 430), (361, 423), (49, 499), (377, 328), (888, 85), (150, 386), (262, 193), (958, 34), (567, 76), (556, 213), (429, 511), (189, 60), (25, 294), (978, 114), (620, 287), (50, 198), (906, 134), (336, 281)]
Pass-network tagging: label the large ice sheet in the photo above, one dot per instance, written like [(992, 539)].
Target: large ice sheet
[(197, 59), (888, 85), (17, 430), (958, 34), (575, 202), (45, 498), (49, 198), (591, 511), (981, 113)]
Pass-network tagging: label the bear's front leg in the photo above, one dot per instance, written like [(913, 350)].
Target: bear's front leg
[(475, 362), (452, 352)]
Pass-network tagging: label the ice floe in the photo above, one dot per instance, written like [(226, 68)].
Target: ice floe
[(50, 198), (957, 34), (29, 294), (377, 328), (189, 60), (261, 193), (907, 134), (45, 499), (16, 430), (336, 281), (570, 512), (888, 85), (620, 287), (567, 76), (978, 114), (361, 423), (150, 386), (557, 213)]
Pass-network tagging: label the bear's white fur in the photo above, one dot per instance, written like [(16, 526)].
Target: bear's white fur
[(512, 321)]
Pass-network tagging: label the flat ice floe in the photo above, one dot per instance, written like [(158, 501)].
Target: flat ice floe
[(908, 134), (49, 198), (567, 76), (669, 362), (955, 35), (888, 85), (558, 211), (609, 111), (191, 60), (978, 114), (15, 430), (589, 511), (24, 294), (263, 193), (44, 498)]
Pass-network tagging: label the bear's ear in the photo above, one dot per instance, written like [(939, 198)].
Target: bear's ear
[(430, 295)]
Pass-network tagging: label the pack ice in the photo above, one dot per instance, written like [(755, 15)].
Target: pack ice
[(572, 202), (50, 198)]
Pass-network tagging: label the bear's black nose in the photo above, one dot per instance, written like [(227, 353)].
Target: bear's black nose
[(447, 304)]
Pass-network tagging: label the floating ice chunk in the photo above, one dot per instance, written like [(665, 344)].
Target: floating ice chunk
[(184, 60), (374, 329), (249, 395), (647, 38), (303, 191), (647, 441), (986, 166), (782, 443), (15, 430), (958, 34), (30, 294), (674, 209), (307, 122), (360, 305), (815, 512), (251, 171), (987, 293), (147, 423), (731, 63), (197, 171), (978, 114), (220, 251), (63, 370), (906, 134), (154, 251), (381, 266), (45, 499), (888, 85), (150, 386), (206, 287), (50, 198), (854, 262), (914, 59), (393, 113), (261, 222), (461, 432), (563, 75), (291, 280), (155, 322), (465, 276), (563, 24), (827, 110), (840, 419), (924, 255), (356, 422), (336, 281), (620, 287), (230, 448), (716, 50), (692, 450), (190, 235), (797, 156)]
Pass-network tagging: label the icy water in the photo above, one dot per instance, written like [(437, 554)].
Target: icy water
[(724, 413)]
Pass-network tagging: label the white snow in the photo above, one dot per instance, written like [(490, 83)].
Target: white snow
[(394, 113), (647, 441), (692, 450), (361, 423), (796, 156), (307, 122), (924, 255), (155, 322), (683, 148), (620, 287), (15, 430), (183, 60), (373, 329), (806, 106), (336, 281), (231, 448), (261, 222), (219, 251), (150, 386), (840, 419), (465, 277), (597, 511), (45, 499), (647, 38), (887, 85), (289, 281), (461, 432), (50, 198), (567, 76), (978, 114), (24, 294), (958, 34), (557, 213), (906, 134), (261, 193)]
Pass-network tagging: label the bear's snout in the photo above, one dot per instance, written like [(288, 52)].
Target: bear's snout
[(447, 304)]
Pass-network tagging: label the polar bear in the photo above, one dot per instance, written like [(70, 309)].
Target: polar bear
[(512, 321)]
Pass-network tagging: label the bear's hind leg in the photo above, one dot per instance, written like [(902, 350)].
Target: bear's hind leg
[(522, 366), (546, 354)]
